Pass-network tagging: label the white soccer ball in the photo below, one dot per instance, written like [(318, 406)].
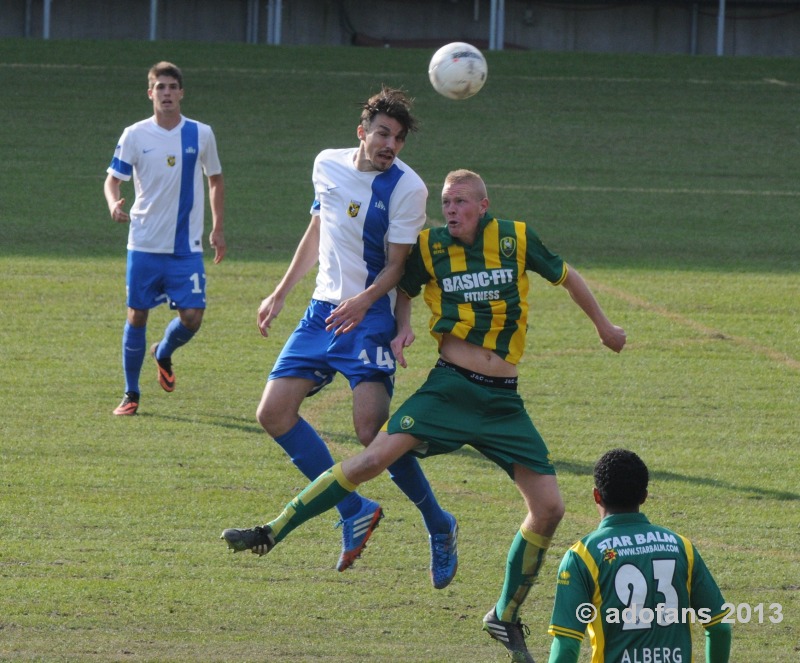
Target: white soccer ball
[(457, 70)]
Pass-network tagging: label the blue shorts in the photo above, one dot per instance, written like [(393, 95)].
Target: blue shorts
[(158, 278), (360, 355)]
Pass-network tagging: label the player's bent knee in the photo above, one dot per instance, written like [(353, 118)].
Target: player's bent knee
[(274, 421)]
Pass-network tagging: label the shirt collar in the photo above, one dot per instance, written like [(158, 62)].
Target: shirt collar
[(616, 519)]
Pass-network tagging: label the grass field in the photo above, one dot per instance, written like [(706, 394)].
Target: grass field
[(671, 183)]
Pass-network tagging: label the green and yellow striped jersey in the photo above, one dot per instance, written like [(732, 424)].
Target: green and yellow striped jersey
[(638, 588), (479, 293)]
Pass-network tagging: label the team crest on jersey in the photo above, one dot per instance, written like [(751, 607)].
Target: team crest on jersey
[(563, 578), (406, 422), (610, 555), (353, 208), (508, 245), (171, 160)]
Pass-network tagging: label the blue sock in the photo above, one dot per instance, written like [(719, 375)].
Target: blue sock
[(175, 336), (310, 455), (408, 477), (134, 340)]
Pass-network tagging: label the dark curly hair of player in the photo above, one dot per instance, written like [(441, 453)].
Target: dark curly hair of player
[(392, 102), (621, 477)]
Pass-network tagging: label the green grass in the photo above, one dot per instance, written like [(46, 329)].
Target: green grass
[(669, 182)]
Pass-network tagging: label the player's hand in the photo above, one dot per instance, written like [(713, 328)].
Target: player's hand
[(614, 338), (347, 315), (404, 338), (217, 241), (267, 312), (118, 214)]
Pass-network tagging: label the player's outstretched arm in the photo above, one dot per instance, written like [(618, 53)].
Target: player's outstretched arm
[(305, 257), (613, 337)]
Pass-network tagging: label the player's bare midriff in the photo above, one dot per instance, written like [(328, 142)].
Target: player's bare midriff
[(475, 358)]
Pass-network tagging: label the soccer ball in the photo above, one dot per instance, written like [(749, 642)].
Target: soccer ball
[(457, 70)]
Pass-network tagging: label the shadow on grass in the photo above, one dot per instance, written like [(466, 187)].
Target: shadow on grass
[(573, 467), (586, 469), (229, 422)]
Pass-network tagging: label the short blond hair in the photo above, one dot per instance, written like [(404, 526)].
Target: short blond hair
[(462, 175)]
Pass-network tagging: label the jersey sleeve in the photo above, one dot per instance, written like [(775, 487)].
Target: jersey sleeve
[(121, 165), (574, 587), (705, 593), (209, 156), (407, 211), (415, 275), (540, 259)]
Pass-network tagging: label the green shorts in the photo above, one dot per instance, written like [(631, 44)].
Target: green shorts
[(449, 410)]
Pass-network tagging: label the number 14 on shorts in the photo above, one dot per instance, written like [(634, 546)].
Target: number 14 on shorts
[(383, 357)]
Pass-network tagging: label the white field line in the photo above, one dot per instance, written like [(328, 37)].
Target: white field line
[(643, 190), (567, 79)]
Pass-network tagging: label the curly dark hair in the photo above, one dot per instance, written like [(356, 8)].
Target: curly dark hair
[(621, 477), (393, 102)]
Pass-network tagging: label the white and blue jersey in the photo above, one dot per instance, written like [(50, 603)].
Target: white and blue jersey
[(360, 213), (167, 169)]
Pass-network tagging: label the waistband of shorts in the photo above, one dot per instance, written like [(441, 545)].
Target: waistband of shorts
[(479, 378)]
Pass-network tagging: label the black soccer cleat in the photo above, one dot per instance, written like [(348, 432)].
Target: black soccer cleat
[(258, 540), (512, 635)]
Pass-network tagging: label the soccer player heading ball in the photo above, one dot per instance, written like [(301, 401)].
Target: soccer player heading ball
[(474, 272)]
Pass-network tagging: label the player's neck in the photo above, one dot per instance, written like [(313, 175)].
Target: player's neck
[(168, 121)]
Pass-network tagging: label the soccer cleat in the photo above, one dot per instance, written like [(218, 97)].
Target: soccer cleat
[(511, 635), (444, 555), (128, 406), (166, 378), (356, 530), (258, 540)]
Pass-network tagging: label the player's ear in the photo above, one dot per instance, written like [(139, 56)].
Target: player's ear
[(361, 132), (644, 498), (596, 495)]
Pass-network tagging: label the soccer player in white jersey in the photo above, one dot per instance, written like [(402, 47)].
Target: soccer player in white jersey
[(368, 209), (166, 155)]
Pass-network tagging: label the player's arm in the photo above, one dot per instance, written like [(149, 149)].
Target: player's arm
[(566, 625), (612, 336), (114, 200), (216, 198), (305, 257), (351, 312), (718, 643), (706, 595), (405, 334), (564, 650)]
